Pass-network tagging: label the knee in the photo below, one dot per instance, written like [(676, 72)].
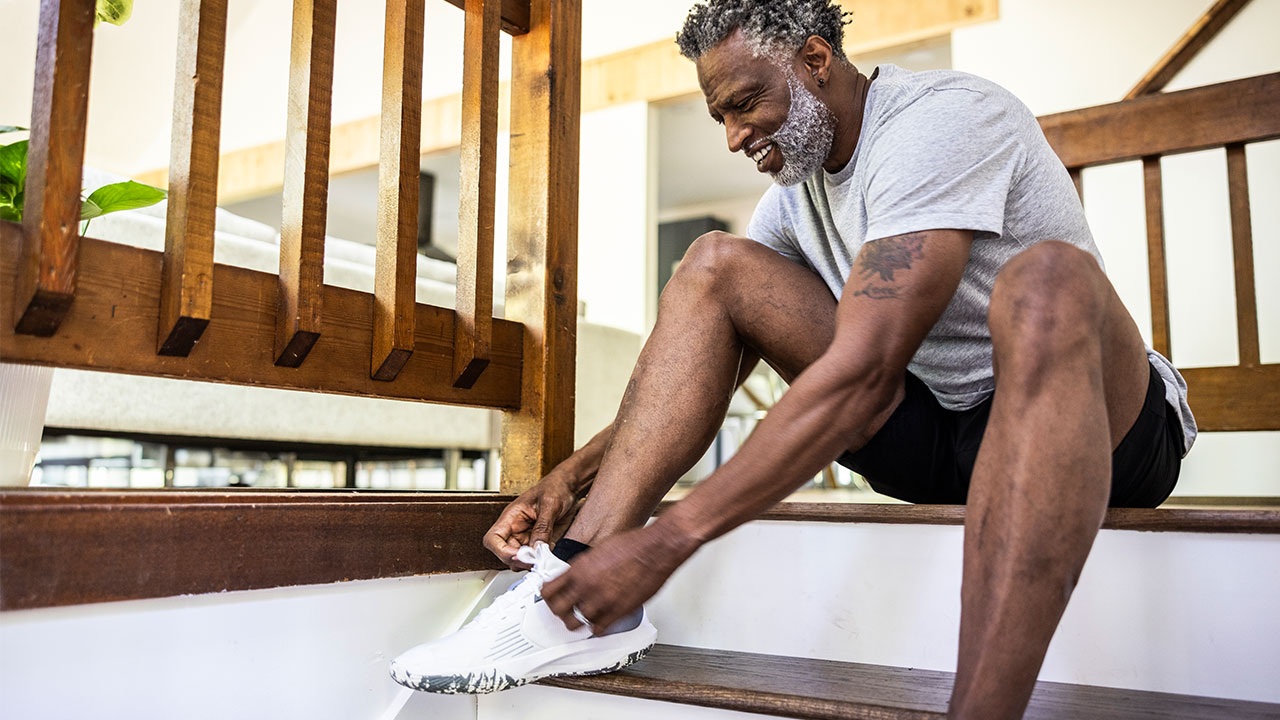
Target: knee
[(1049, 299), (709, 260)]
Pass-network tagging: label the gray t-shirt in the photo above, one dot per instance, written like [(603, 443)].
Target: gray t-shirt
[(941, 150)]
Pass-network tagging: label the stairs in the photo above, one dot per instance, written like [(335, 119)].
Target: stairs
[(852, 612), (828, 690)]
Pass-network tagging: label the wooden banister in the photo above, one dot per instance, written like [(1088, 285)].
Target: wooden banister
[(542, 246), (1245, 110), (1242, 252), (473, 326), (306, 180), (1205, 29), (46, 281), (395, 278), (186, 297), (1153, 193)]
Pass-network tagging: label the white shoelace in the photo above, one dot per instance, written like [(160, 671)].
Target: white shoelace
[(523, 592)]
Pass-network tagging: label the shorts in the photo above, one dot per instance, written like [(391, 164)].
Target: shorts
[(925, 453)]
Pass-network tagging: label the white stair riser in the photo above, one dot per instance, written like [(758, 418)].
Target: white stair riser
[(1170, 612)]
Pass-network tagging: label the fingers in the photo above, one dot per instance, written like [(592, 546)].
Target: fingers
[(509, 533), (548, 511), (560, 599)]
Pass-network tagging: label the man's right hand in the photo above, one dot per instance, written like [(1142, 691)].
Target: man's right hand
[(532, 516)]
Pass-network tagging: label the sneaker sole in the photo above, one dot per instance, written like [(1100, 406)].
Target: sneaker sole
[(495, 680)]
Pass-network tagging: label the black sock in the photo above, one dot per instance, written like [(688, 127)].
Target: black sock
[(566, 549)]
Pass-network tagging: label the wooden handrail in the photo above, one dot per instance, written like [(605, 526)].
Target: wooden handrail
[(46, 282), (186, 296), (1245, 110), (306, 180), (473, 328)]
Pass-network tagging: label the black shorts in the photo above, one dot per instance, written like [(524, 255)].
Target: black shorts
[(925, 453)]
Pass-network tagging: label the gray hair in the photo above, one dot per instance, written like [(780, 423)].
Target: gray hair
[(767, 24)]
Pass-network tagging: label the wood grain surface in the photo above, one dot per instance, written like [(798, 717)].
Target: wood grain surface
[(112, 326), (1242, 256), (186, 299), (77, 548), (305, 198), (542, 245), (515, 15), (1264, 520), (473, 331), (1157, 266), (1245, 110), (395, 276), (45, 287), (830, 690)]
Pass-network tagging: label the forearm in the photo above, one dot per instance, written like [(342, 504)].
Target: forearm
[(580, 468), (826, 411)]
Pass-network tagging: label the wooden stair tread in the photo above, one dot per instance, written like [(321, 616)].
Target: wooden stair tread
[(822, 689)]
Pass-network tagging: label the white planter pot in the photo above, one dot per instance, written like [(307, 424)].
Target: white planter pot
[(24, 397)]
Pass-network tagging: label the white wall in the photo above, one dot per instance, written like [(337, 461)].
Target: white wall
[(316, 652)]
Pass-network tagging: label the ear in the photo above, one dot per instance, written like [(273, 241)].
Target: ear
[(816, 56)]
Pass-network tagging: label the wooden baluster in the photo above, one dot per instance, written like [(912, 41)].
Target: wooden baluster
[(1242, 250), (395, 275), (473, 326), (1077, 179), (1156, 266), (542, 250), (186, 292), (306, 180), (46, 281)]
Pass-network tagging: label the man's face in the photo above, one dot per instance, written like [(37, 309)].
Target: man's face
[(767, 112)]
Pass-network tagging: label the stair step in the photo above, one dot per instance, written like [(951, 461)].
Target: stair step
[(821, 689)]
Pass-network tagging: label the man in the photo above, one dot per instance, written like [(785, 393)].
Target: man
[(922, 275)]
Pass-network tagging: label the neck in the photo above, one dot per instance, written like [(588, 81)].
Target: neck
[(849, 101)]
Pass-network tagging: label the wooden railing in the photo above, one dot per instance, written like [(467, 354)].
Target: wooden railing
[(1228, 115), (83, 303)]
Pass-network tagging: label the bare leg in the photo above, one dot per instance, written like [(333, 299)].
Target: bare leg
[(1071, 376), (731, 298)]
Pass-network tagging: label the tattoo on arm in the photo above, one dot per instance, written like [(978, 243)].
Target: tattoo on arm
[(878, 261)]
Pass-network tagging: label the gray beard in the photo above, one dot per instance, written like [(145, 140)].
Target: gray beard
[(806, 136)]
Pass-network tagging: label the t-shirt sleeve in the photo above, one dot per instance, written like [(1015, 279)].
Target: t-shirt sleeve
[(947, 160), (769, 226)]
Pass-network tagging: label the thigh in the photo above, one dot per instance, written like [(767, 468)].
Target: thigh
[(1146, 464), (913, 457), (780, 309)]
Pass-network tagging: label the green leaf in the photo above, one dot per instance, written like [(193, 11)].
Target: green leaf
[(125, 195), (13, 163), (116, 12), (89, 210), (11, 128), (10, 213)]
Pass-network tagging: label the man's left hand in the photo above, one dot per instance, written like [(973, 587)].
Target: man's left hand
[(616, 576)]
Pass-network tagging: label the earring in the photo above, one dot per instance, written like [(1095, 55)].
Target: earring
[(821, 82)]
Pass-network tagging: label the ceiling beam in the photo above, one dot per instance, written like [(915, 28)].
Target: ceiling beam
[(649, 73)]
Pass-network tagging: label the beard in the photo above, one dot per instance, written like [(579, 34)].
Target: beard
[(806, 136)]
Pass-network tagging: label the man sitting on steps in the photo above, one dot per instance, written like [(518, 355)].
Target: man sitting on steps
[(921, 273)]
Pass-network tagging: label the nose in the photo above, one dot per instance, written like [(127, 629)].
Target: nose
[(737, 135)]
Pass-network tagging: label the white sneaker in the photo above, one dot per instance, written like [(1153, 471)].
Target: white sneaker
[(518, 640)]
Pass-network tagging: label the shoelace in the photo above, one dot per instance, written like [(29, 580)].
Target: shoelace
[(520, 594)]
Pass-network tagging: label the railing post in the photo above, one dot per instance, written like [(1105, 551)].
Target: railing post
[(542, 247), (306, 180), (473, 326), (46, 281), (186, 293), (395, 277)]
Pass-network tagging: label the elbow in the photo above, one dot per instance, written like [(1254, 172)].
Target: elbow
[(869, 394)]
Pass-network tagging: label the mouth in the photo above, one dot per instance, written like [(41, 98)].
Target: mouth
[(760, 154)]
